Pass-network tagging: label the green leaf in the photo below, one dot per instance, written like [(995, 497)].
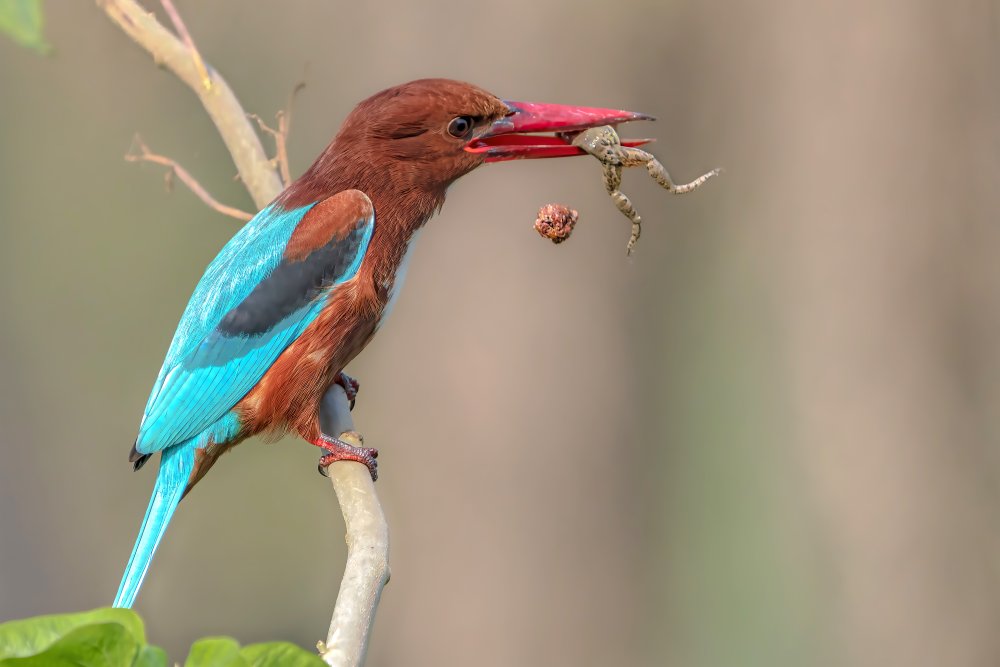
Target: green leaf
[(33, 635), (225, 652), (100, 645), (280, 654), (215, 652), (22, 20), (151, 656), (116, 638)]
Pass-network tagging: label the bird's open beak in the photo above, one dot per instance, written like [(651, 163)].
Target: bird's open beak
[(515, 135)]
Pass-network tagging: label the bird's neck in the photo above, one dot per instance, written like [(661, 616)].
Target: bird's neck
[(402, 202)]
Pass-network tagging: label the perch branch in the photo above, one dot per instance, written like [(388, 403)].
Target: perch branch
[(367, 569), (146, 155), (256, 172)]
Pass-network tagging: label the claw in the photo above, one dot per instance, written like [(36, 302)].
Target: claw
[(338, 450), (350, 385)]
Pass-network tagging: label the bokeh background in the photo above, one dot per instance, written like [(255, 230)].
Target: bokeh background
[(769, 438)]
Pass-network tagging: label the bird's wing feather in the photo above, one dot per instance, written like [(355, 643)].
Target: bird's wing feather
[(258, 295)]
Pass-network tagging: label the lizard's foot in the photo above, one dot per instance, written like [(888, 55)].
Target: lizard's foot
[(636, 231), (338, 450), (350, 385)]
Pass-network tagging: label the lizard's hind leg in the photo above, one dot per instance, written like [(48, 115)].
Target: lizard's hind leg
[(612, 181), (660, 175)]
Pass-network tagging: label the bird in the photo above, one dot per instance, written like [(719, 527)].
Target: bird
[(300, 290)]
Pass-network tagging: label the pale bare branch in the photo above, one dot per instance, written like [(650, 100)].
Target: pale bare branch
[(256, 172)]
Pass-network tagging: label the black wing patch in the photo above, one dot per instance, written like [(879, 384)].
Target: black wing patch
[(293, 284)]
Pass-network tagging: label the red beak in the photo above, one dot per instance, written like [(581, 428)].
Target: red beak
[(509, 138)]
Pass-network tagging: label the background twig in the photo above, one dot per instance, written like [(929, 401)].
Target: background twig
[(255, 169), (182, 31), (280, 135), (146, 155)]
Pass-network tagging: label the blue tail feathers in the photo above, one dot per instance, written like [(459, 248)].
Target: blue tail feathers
[(176, 464)]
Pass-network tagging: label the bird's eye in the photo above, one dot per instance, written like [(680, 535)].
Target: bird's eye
[(459, 127)]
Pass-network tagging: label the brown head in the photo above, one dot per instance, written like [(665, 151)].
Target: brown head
[(418, 131), (423, 135)]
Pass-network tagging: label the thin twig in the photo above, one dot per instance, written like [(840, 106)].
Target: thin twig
[(285, 127), (256, 172), (281, 145), (146, 155), (280, 135), (280, 159), (175, 18)]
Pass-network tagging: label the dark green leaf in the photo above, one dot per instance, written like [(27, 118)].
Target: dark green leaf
[(215, 652), (34, 635), (22, 20), (100, 645), (280, 654)]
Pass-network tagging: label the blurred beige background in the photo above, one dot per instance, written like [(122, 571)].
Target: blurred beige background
[(770, 438)]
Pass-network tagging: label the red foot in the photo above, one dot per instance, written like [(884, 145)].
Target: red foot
[(350, 385), (338, 450)]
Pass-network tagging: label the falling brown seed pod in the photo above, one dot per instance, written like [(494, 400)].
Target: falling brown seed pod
[(555, 222)]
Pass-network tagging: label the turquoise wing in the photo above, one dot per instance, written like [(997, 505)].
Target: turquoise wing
[(255, 299)]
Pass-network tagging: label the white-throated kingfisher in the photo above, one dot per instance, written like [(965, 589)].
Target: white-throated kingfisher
[(301, 289)]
